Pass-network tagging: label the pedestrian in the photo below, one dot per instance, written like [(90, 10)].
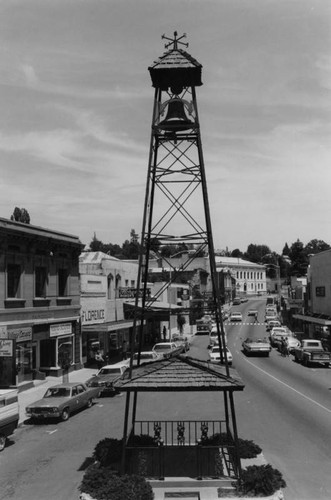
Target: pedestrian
[(124, 350), (284, 347), (256, 317), (164, 333), (99, 359)]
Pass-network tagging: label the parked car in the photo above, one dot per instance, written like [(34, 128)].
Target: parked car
[(310, 352), (292, 342), (107, 377), (256, 346), (236, 302), (215, 356), (277, 333), (145, 357), (271, 316), (167, 349), (9, 414), (236, 316), (61, 400), (180, 340), (272, 323), (213, 337)]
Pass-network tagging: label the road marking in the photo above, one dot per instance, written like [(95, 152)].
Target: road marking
[(247, 324), (51, 432), (289, 387)]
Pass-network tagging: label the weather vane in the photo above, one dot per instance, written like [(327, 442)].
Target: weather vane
[(175, 41)]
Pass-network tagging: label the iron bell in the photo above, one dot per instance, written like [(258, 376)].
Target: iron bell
[(176, 119)]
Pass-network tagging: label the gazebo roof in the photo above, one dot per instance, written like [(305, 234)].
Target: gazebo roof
[(180, 373)]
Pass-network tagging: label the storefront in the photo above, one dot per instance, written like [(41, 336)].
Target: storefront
[(317, 326), (107, 338), (44, 347)]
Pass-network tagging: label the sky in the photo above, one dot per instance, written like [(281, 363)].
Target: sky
[(76, 104)]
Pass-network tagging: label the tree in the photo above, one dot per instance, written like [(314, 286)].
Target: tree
[(286, 250), (316, 246), (20, 215), (299, 259), (255, 253), (236, 253), (96, 245)]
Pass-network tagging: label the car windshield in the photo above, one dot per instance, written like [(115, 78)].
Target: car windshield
[(57, 392), (109, 371)]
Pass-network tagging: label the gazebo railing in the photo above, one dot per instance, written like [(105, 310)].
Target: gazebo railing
[(180, 432), (206, 447)]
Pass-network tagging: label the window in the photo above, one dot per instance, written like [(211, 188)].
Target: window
[(117, 284), (13, 281), (63, 282), (110, 279), (320, 291), (132, 283), (40, 281)]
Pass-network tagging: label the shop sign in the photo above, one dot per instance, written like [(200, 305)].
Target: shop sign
[(131, 293), (93, 316), (61, 329), (3, 332), (20, 334), (6, 348)]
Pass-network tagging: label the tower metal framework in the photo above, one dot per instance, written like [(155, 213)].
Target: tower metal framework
[(176, 210)]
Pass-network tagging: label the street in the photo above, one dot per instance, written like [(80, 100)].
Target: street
[(285, 408)]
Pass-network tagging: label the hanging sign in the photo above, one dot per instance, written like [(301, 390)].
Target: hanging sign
[(6, 348)]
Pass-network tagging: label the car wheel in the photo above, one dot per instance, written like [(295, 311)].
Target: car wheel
[(89, 403), (65, 414), (2, 442)]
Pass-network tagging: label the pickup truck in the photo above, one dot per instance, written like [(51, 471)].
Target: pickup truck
[(167, 349), (311, 351), (9, 414)]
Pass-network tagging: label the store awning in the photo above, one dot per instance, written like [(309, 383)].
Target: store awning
[(318, 319), (155, 306), (109, 327)]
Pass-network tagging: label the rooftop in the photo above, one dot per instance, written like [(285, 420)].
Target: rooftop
[(181, 373)]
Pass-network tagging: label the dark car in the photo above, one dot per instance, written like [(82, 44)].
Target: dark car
[(107, 377), (61, 400)]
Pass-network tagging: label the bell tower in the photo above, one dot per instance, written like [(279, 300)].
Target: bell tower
[(176, 219), (176, 211)]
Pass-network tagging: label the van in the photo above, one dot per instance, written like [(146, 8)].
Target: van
[(9, 414)]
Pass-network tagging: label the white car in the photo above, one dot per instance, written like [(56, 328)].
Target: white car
[(145, 357), (291, 340), (214, 355), (167, 349), (277, 333), (213, 337), (236, 316), (272, 323)]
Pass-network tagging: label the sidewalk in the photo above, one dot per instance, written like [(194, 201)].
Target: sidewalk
[(28, 396)]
